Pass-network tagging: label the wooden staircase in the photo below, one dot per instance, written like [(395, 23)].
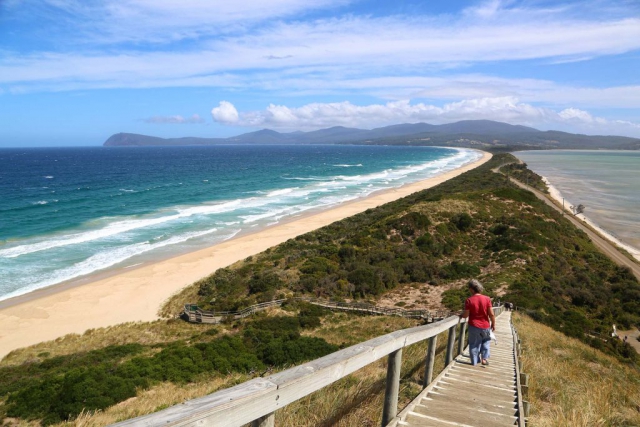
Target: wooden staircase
[(471, 396)]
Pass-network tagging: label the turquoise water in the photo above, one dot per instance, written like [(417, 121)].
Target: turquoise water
[(606, 182), (66, 213)]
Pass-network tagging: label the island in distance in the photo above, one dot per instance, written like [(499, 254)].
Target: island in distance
[(482, 134)]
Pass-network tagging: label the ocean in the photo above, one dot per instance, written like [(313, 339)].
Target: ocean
[(66, 213), (607, 183)]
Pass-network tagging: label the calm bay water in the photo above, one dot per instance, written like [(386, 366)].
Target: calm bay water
[(606, 182), (69, 212)]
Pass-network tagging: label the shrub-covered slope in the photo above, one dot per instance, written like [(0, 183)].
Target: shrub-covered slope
[(476, 225)]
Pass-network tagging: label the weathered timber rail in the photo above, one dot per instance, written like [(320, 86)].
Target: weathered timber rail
[(192, 313), (465, 395), (256, 401)]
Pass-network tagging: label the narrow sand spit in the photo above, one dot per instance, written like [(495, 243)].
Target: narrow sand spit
[(137, 294)]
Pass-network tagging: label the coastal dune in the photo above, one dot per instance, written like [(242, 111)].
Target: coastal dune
[(137, 294)]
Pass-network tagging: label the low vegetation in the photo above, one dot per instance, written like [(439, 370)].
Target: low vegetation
[(476, 225), (574, 385), (64, 386)]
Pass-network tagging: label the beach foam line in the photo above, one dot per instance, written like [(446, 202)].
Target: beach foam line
[(568, 206), (106, 259), (136, 294), (334, 183)]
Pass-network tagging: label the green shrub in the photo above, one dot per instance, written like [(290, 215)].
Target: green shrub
[(463, 221)]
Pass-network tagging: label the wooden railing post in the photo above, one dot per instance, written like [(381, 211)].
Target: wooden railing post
[(268, 420), (431, 357), (463, 327), (394, 365), (450, 344)]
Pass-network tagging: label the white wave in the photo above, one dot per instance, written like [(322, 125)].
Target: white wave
[(281, 192), (40, 202), (359, 165), (120, 227), (253, 218), (295, 178), (337, 183), (48, 177), (126, 190), (106, 259)]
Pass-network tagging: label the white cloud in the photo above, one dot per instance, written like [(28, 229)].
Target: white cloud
[(351, 46), (158, 21), (225, 113), (195, 119), (504, 109)]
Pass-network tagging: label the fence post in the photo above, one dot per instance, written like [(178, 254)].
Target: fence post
[(431, 357), (394, 364), (266, 421), (463, 327), (450, 344)]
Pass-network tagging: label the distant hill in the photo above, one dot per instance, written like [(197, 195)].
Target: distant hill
[(137, 140), (484, 134)]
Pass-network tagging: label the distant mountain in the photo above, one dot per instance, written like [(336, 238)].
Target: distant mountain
[(483, 127), (483, 134), (264, 136), (134, 139)]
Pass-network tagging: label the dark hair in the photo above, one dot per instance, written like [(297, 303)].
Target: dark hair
[(476, 286)]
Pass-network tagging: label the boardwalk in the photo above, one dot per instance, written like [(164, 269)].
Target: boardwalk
[(192, 313), (460, 396), (465, 395)]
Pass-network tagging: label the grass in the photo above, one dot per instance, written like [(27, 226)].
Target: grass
[(146, 333), (357, 400), (574, 385), (354, 400)]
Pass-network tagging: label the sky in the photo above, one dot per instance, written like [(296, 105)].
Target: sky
[(74, 72)]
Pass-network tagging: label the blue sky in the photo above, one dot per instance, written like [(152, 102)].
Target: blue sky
[(74, 72)]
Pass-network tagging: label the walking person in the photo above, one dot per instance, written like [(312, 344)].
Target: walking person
[(482, 321)]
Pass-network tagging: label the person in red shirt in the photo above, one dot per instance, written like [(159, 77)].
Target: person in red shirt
[(482, 321)]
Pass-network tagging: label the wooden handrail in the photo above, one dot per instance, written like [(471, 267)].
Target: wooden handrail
[(260, 397), (256, 400), (194, 314)]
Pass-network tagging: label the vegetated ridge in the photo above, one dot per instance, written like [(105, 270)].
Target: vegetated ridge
[(416, 251), (483, 134)]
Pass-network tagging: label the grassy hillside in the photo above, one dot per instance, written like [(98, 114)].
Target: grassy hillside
[(574, 385), (415, 252)]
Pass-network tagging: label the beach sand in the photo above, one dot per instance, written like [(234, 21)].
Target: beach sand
[(557, 196), (137, 294)]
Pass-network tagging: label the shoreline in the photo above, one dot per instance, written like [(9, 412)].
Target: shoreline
[(556, 195), (138, 293)]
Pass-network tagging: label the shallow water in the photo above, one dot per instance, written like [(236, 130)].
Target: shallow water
[(607, 183)]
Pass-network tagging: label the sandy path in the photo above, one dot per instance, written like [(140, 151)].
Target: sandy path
[(137, 294)]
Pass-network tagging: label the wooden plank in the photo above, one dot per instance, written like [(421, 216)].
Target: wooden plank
[(468, 414), (419, 420), (475, 401)]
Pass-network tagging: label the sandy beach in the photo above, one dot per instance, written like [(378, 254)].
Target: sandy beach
[(137, 294), (557, 196)]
